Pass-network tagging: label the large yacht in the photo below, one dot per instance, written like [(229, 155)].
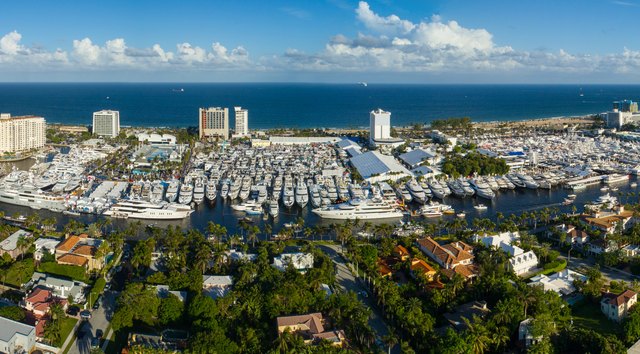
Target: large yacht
[(482, 189), (186, 193), (157, 192), (172, 191), (198, 189), (368, 209), (33, 198), (416, 191), (528, 181), (212, 191), (136, 209), (302, 194)]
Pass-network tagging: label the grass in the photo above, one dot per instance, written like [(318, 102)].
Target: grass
[(588, 315), (67, 326), (19, 273), (64, 270)]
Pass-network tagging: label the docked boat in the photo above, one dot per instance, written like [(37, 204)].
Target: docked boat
[(288, 196), (369, 209), (616, 178), (404, 194), (172, 191), (274, 208), (480, 207), (416, 191), (434, 209), (234, 189), (198, 190), (301, 194), (314, 193), (33, 198), (186, 193), (138, 209), (528, 181), (516, 181), (212, 191), (482, 190), (157, 192), (456, 189)]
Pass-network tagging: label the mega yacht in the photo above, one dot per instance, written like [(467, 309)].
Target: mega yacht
[(32, 198), (434, 209), (528, 181), (211, 191), (437, 189), (186, 193), (616, 178), (416, 191), (466, 186), (482, 189), (245, 190), (157, 192), (137, 209), (369, 209), (314, 193), (172, 191), (456, 189), (516, 181), (288, 196), (274, 209), (224, 190), (404, 194), (198, 189), (302, 194), (234, 189)]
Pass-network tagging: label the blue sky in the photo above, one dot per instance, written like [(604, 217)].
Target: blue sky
[(323, 40)]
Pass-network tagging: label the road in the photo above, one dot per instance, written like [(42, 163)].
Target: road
[(348, 282), (607, 272), (99, 320)]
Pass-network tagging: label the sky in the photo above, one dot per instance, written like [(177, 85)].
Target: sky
[(408, 41)]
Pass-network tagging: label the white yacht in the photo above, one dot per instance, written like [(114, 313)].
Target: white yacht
[(369, 209), (274, 209), (416, 191), (211, 191), (482, 189), (234, 189), (302, 194), (224, 190), (245, 189), (528, 181), (172, 191), (137, 209), (616, 178), (404, 194), (157, 192), (32, 198), (186, 193), (198, 189), (516, 181), (434, 209), (314, 193)]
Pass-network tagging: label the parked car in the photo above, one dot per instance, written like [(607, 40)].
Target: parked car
[(95, 343), (96, 305), (99, 333), (73, 311), (85, 314)]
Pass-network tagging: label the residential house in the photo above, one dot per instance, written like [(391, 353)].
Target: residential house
[(300, 261), (572, 235), (453, 258), (60, 288), (383, 269), (631, 250), (420, 268), (560, 282), (10, 244), (601, 245), (401, 253), (80, 251), (616, 307), (237, 256), (16, 337), (216, 286), (607, 222), (43, 245), (466, 312), (524, 333), (521, 262), (494, 241), (311, 327), (40, 300), (162, 291)]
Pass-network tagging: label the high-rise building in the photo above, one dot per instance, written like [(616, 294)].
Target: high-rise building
[(21, 133), (242, 121), (626, 106), (213, 122), (379, 126), (106, 123)]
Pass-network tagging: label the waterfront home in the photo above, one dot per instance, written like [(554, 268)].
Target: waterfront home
[(608, 222), (61, 288), (494, 241), (571, 235), (616, 307), (420, 268), (237, 256), (10, 244), (162, 291), (631, 250), (521, 262), (401, 253), (311, 327), (561, 282), (39, 300), (16, 337), (216, 286), (383, 269), (454, 258), (299, 261), (44, 245), (80, 251), (601, 245)]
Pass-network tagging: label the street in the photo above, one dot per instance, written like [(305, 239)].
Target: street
[(608, 273), (99, 321), (348, 282)]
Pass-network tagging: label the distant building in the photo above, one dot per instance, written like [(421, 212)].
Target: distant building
[(213, 122), (216, 286), (61, 288), (380, 129), (157, 139), (242, 121), (299, 261), (106, 123), (626, 106), (21, 133), (10, 244), (311, 327), (16, 337), (454, 258), (375, 167), (616, 118)]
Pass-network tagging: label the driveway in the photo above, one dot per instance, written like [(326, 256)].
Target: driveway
[(99, 320)]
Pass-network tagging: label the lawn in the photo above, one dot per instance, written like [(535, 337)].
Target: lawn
[(64, 270), (588, 315), (67, 326), (18, 273)]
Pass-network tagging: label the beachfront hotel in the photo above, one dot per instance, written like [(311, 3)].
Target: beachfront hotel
[(21, 133), (106, 123), (213, 122), (380, 129), (242, 121)]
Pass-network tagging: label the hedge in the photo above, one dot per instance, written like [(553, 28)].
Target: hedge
[(97, 290), (554, 267)]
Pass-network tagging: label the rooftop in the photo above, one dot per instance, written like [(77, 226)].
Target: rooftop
[(374, 163), (9, 328)]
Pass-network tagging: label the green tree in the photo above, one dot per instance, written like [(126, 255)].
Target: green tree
[(170, 310)]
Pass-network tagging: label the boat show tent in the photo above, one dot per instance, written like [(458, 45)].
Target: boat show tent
[(374, 166)]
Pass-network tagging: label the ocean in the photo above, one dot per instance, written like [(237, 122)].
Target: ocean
[(281, 105)]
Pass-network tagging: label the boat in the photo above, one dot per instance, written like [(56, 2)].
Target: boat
[(139, 209), (633, 185), (480, 207), (157, 192), (368, 209), (314, 193), (461, 215), (416, 191), (288, 196), (186, 193), (571, 196), (516, 181), (404, 194), (482, 189), (172, 191), (528, 181), (211, 190), (301, 194), (234, 189), (198, 189), (33, 198), (456, 189), (434, 209), (567, 201), (616, 178), (274, 208)]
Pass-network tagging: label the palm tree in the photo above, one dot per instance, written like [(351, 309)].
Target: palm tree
[(268, 229), (253, 235), (390, 340), (308, 232), (477, 335), (23, 243)]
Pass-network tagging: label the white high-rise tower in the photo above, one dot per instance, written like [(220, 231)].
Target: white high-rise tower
[(106, 123), (242, 121), (379, 126)]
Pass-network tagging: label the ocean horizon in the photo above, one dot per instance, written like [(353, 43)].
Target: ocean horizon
[(307, 105)]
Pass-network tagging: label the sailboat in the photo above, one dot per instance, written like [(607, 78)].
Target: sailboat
[(581, 93)]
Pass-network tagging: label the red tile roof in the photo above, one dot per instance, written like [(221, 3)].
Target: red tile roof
[(68, 244), (73, 260)]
